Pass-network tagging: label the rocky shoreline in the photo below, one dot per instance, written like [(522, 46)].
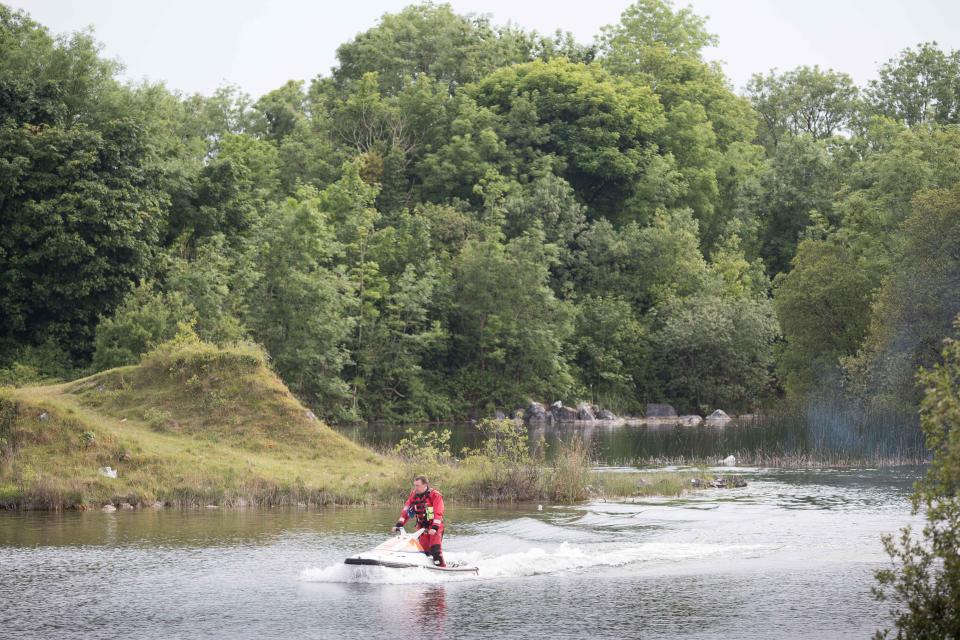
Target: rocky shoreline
[(537, 413)]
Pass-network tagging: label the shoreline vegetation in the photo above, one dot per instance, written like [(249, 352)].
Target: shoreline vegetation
[(195, 425)]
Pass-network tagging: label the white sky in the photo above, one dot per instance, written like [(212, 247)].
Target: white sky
[(198, 45)]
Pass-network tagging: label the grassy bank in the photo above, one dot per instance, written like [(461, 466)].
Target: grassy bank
[(194, 424)]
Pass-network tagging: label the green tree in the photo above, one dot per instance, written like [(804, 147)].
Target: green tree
[(714, 352), (916, 303), (601, 130), (401, 346), (924, 581), (611, 352), (79, 203), (803, 101), (429, 40), (216, 282), (299, 308), (509, 329), (657, 46), (801, 183), (921, 85), (640, 264), (823, 304), (654, 45)]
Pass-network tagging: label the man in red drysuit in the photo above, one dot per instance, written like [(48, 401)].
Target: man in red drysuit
[(426, 506)]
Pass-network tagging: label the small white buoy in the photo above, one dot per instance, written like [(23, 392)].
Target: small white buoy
[(729, 461), (539, 507)]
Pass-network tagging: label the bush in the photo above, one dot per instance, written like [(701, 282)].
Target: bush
[(145, 319), (504, 441), (424, 446)]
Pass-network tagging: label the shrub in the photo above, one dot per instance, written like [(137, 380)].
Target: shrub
[(425, 446)]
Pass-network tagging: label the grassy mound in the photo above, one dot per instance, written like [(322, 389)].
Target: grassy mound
[(192, 424)]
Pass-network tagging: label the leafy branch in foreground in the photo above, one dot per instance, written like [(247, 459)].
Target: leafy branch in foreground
[(925, 579)]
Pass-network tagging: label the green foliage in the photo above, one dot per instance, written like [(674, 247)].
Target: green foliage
[(602, 130), (805, 101), (824, 308), (917, 301), (800, 185), (509, 327), (143, 321), (431, 40), (919, 86), (298, 307), (715, 351), (504, 441), (924, 581), (424, 446), (158, 419), (464, 216), (640, 264), (611, 350)]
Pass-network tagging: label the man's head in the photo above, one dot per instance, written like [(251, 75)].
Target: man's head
[(421, 484)]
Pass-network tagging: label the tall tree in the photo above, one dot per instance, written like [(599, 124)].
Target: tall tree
[(921, 85), (803, 101)]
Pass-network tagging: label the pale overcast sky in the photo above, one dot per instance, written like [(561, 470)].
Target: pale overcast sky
[(198, 45)]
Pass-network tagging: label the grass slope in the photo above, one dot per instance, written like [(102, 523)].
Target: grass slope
[(191, 425)]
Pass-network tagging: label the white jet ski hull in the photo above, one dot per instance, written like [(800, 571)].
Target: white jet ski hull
[(402, 552)]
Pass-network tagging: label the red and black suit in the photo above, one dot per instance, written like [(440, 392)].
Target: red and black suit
[(427, 509)]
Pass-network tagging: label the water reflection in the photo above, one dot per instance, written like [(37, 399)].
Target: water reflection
[(764, 440)]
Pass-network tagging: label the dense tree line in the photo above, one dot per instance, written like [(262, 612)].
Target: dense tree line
[(464, 216)]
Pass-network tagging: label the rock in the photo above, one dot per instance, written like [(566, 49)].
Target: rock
[(660, 411), (212, 506), (697, 483), (718, 418), (126, 506), (585, 412), (561, 413), (606, 414), (735, 482), (125, 456), (729, 461), (690, 421), (718, 483), (108, 508), (311, 416), (43, 417), (108, 472), (535, 412), (157, 505)]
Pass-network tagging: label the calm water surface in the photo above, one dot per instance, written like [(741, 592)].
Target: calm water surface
[(789, 556)]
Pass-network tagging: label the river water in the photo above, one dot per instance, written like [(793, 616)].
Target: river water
[(789, 556)]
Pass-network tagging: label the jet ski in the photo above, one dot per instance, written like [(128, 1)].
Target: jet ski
[(403, 551)]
